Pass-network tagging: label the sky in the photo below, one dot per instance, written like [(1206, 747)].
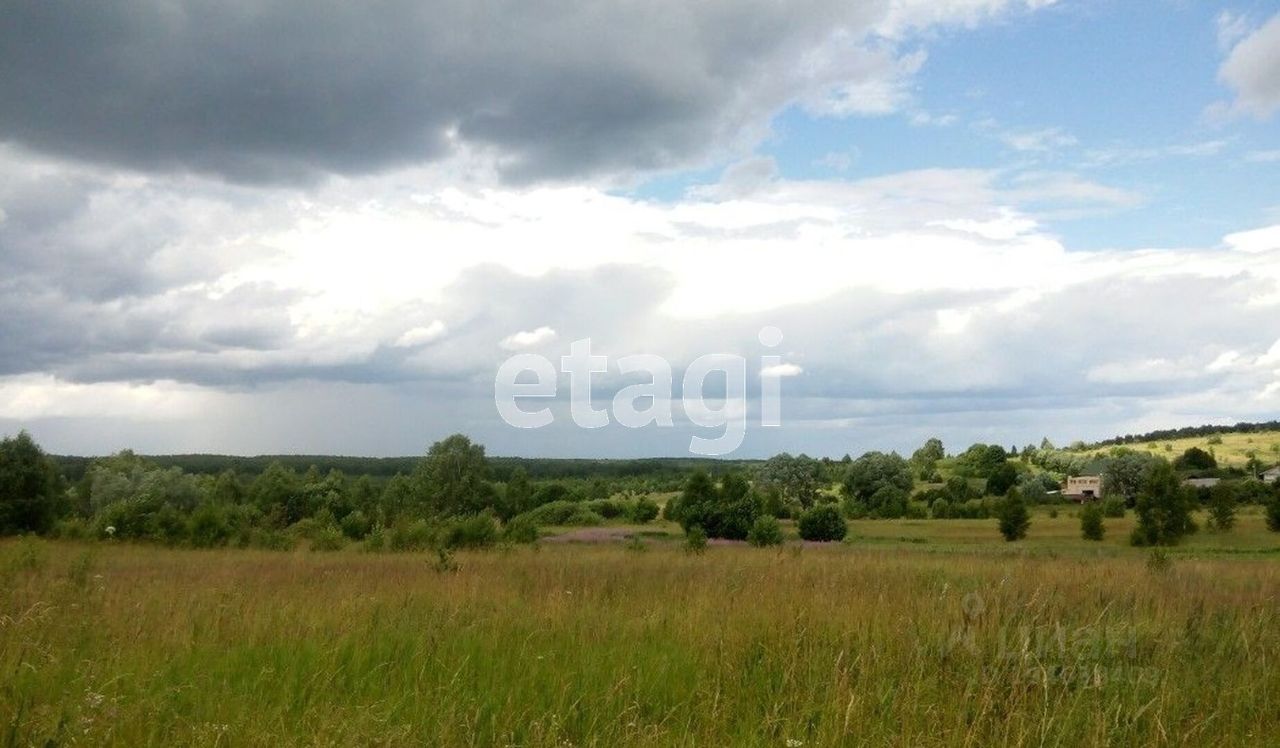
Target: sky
[(288, 226)]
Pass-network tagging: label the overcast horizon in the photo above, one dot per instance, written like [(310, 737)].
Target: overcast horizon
[(286, 227)]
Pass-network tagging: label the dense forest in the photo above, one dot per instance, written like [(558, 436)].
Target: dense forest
[(455, 495)]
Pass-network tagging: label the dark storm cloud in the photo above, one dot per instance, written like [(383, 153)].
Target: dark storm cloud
[(286, 89)]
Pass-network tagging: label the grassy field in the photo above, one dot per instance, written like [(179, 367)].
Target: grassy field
[(914, 633), (1231, 450)]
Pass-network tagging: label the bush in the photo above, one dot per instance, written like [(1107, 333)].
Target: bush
[(479, 531), (271, 540), (644, 510), (210, 527), (607, 508), (1222, 506), (376, 540), (520, 530), (564, 513), (695, 539), (413, 535), (73, 528), (917, 510), (941, 509), (823, 524), (1091, 527), (765, 531), (1013, 517), (328, 538), (1113, 508), (356, 525), (1273, 511)]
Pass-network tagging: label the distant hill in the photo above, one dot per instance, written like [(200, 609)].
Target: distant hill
[(1188, 432), (1232, 446)]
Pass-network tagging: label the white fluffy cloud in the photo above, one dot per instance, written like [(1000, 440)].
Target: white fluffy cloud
[(916, 296), (1252, 69)]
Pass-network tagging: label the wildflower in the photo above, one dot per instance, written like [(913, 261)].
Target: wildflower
[(793, 743), (111, 531)]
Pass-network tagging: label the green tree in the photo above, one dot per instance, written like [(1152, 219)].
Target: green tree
[(1163, 508), (765, 531), (517, 495), (1125, 475), (924, 461), (797, 478), (727, 511), (452, 477), (28, 486), (872, 472), (1195, 458), (823, 523), (981, 460), (1003, 478), (1091, 527), (1222, 506), (1272, 509), (1013, 517)]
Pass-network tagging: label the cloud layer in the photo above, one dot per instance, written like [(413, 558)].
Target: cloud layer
[(288, 90)]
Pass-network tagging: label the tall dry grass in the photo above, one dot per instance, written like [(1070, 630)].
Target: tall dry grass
[(611, 647)]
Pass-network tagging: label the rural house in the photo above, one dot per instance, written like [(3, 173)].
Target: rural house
[(1083, 488)]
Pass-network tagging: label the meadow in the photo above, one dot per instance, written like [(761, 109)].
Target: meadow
[(911, 633)]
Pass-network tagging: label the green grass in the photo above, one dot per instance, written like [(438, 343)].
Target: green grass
[(1232, 450), (917, 633)]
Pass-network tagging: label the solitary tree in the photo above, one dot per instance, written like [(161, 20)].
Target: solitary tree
[(823, 523), (452, 477), (28, 486), (1222, 506), (1091, 527), (1163, 508), (1014, 517)]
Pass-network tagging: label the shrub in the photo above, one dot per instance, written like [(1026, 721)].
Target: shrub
[(1222, 506), (607, 508), (941, 509), (328, 538), (210, 527), (271, 540), (520, 530), (356, 525), (823, 523), (479, 531), (644, 510), (765, 531), (916, 510), (1091, 527), (376, 540), (1013, 517), (1113, 508), (724, 511), (1273, 511), (695, 539), (413, 535), (73, 528)]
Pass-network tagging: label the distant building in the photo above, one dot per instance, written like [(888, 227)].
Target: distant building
[(1083, 488), (1272, 475), (1202, 482)]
